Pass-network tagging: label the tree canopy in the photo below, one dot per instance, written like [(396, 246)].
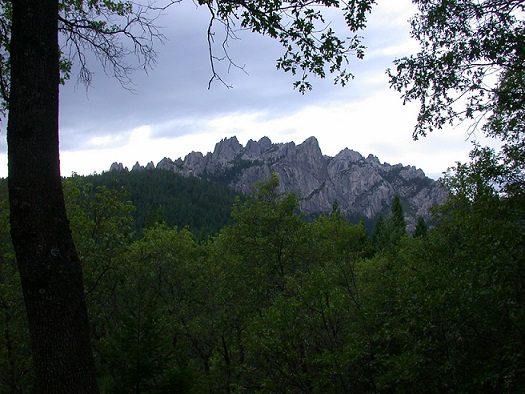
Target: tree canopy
[(276, 302), (471, 67)]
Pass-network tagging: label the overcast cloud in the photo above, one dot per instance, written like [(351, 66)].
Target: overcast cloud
[(171, 111)]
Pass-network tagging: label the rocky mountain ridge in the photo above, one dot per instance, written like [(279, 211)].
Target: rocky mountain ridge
[(362, 187)]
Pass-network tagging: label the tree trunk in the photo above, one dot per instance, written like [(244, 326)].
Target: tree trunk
[(49, 266)]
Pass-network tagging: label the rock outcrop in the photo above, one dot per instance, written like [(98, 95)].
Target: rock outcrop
[(362, 187), (117, 167)]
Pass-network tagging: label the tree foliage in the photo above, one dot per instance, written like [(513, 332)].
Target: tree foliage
[(390, 229), (471, 67), (311, 46), (421, 227), (470, 62), (275, 302)]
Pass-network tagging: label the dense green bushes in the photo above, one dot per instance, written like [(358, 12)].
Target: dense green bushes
[(276, 303)]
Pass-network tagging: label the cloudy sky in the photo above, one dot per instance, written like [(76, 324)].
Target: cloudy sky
[(171, 111)]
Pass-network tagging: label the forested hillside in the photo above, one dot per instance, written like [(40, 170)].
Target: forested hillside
[(274, 303), (162, 196)]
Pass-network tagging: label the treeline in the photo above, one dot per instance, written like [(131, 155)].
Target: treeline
[(276, 303)]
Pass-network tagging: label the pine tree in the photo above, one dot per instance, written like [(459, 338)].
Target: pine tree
[(421, 228), (397, 220), (389, 230)]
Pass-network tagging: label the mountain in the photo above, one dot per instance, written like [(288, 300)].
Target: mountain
[(361, 187)]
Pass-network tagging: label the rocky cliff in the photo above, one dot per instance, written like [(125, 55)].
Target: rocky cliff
[(362, 187)]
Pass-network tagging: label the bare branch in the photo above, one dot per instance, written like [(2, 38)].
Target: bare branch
[(113, 38)]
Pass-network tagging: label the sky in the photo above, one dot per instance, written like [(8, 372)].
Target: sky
[(171, 111)]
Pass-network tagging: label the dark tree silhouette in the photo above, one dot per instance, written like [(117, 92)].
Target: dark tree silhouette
[(49, 266)]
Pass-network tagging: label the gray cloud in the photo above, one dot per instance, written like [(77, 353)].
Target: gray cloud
[(175, 92)]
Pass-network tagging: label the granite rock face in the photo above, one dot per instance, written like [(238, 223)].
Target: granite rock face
[(362, 187), (117, 167)]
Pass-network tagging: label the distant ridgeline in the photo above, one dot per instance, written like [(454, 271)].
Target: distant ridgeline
[(363, 188)]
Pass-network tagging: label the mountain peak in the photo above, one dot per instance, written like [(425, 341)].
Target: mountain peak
[(362, 187)]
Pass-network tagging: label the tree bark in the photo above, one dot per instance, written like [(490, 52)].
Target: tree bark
[(50, 269)]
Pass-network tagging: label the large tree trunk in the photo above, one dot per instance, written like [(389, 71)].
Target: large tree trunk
[(49, 266)]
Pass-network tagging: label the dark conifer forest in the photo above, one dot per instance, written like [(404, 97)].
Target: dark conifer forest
[(262, 300), (161, 196)]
